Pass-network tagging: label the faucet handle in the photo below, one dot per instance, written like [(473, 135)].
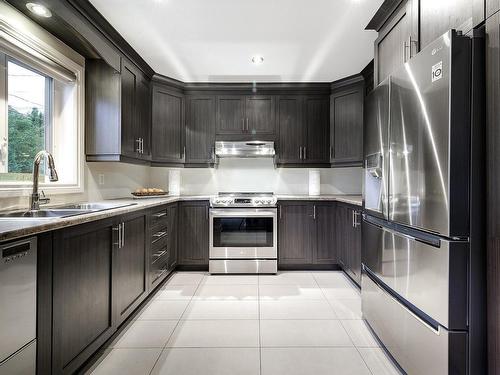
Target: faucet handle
[(43, 199)]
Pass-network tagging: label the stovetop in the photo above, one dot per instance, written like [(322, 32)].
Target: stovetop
[(244, 199)]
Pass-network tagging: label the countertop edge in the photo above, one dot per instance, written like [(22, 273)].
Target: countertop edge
[(43, 226)]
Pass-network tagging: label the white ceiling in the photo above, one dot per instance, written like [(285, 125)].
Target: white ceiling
[(214, 40)]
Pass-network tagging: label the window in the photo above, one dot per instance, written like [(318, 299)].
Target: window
[(41, 108), (27, 129)]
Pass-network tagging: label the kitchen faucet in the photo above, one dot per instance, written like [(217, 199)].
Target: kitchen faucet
[(35, 199)]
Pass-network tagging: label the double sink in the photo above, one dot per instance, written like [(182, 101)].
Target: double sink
[(64, 211)]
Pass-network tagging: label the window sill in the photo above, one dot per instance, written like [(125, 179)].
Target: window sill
[(7, 191)]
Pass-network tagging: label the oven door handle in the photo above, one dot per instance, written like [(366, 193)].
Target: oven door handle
[(243, 213)]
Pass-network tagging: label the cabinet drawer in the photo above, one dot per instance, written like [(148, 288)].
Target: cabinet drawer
[(159, 236), (418, 347), (159, 219)]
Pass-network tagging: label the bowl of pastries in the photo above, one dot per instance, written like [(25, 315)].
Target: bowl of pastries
[(148, 192)]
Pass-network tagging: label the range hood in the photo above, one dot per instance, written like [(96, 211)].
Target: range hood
[(244, 149)]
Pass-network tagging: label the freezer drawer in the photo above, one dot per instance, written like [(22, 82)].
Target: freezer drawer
[(21, 363), (416, 346), (243, 266), (433, 278)]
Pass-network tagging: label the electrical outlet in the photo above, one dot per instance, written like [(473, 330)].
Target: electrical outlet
[(101, 179)]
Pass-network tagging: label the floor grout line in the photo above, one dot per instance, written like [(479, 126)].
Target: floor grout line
[(258, 310), (178, 321)]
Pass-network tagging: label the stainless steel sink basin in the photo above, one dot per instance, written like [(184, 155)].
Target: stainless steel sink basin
[(43, 214), (95, 206), (64, 211)]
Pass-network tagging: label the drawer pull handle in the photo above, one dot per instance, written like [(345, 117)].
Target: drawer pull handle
[(157, 216), (159, 234)]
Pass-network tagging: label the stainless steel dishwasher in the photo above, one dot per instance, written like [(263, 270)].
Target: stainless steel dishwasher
[(18, 307)]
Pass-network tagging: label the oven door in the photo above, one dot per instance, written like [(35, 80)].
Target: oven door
[(243, 233)]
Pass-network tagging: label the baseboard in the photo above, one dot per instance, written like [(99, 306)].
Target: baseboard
[(309, 267), (192, 267)]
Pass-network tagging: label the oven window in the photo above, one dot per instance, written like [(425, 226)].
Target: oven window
[(243, 232)]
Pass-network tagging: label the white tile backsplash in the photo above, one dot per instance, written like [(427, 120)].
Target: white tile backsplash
[(259, 175)]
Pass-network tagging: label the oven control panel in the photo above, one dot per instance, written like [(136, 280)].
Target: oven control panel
[(265, 201)]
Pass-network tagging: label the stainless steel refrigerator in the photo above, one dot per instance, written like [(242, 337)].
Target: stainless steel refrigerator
[(416, 226)]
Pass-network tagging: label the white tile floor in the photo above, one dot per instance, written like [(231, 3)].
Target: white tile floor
[(294, 323)]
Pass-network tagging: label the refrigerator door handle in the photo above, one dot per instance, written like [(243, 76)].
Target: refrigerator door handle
[(384, 290)]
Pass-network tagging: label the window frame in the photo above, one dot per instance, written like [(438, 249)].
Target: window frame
[(37, 48)]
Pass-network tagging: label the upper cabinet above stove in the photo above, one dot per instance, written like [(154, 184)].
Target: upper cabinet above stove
[(245, 117)]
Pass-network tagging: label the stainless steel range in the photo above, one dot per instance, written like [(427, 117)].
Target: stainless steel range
[(243, 233)]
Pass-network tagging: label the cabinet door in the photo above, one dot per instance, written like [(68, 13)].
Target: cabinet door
[(82, 309), (346, 126), (260, 115), (193, 233), (128, 104), (397, 40), (172, 228), (129, 269), (168, 126), (341, 235), (231, 115), (437, 17), (200, 130), (317, 122), (296, 233), (144, 117), (292, 133), (325, 251), (354, 242)]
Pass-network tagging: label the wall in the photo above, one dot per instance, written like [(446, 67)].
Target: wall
[(259, 175), (119, 180)]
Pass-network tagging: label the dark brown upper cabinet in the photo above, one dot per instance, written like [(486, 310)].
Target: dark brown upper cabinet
[(437, 17), (304, 132), (168, 130), (231, 117), (397, 40), (118, 113), (317, 122), (246, 116), (346, 124), (200, 130), (292, 132)]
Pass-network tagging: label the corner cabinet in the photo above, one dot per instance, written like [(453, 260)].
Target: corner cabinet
[(200, 130), (193, 233), (168, 128), (118, 113), (346, 124)]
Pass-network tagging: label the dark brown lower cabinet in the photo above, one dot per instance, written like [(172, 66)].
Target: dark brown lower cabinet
[(306, 233), (296, 240), (82, 317), (193, 233), (173, 228), (129, 268), (348, 236)]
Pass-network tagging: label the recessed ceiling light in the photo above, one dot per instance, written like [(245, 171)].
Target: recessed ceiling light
[(39, 10), (257, 60)]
